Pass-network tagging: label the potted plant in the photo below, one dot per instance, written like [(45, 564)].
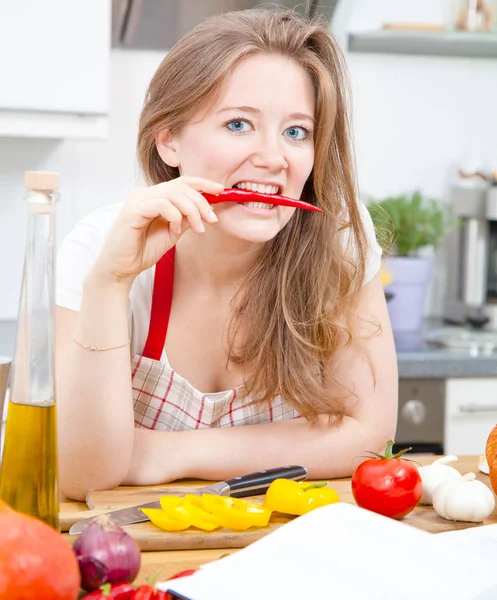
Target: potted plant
[(405, 225)]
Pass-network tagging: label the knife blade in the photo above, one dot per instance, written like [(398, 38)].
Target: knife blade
[(238, 487)]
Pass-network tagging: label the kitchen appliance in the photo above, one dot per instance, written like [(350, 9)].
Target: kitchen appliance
[(471, 296), (421, 413), (238, 487), (159, 24)]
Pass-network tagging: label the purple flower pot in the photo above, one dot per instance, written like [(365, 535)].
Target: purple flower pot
[(410, 279)]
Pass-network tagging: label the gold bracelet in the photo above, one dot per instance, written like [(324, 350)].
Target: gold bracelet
[(96, 349)]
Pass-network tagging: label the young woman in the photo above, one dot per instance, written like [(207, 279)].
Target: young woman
[(209, 341)]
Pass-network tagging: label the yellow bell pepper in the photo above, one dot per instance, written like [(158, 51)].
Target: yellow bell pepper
[(160, 518), (207, 512), (298, 498), (172, 506), (186, 510), (235, 513)]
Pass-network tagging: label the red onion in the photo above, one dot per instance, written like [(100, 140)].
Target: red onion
[(106, 554)]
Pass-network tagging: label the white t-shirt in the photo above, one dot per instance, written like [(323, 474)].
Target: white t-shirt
[(81, 247)]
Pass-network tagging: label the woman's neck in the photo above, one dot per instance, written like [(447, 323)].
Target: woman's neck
[(215, 261)]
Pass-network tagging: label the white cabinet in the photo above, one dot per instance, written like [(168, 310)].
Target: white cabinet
[(54, 67), (470, 414)]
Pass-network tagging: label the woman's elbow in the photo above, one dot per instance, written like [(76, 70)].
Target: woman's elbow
[(76, 482), (78, 488)]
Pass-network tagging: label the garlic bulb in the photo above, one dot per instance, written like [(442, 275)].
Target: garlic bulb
[(435, 474), (464, 499)]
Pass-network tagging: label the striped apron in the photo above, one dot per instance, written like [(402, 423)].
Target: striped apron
[(165, 401)]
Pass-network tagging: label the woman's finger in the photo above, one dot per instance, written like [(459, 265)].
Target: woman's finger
[(183, 202), (204, 185), (153, 208), (205, 209)]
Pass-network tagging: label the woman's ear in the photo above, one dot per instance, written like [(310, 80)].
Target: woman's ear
[(166, 147)]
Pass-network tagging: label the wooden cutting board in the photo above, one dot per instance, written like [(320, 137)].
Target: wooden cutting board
[(151, 538)]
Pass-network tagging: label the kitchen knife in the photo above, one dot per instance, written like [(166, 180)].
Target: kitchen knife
[(238, 487)]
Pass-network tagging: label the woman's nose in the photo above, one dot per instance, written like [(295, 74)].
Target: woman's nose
[(270, 156)]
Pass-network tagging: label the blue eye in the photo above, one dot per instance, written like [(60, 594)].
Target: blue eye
[(298, 134), (238, 126)]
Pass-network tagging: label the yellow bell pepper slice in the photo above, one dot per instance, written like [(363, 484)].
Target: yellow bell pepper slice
[(184, 509), (199, 517), (298, 498), (235, 513), (173, 507), (164, 521)]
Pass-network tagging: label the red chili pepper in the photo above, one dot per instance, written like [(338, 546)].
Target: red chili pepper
[(122, 591), (167, 595), (241, 196), (185, 573), (144, 592)]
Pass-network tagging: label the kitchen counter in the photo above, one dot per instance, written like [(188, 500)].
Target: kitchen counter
[(444, 364), (170, 562), (419, 359)]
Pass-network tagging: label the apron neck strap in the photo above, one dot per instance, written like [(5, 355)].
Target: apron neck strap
[(162, 299)]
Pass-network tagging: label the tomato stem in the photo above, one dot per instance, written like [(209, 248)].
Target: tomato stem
[(388, 451)]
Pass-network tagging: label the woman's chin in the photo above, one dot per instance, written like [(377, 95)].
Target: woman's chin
[(256, 230), (257, 233)]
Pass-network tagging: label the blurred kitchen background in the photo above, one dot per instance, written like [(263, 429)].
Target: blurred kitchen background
[(424, 85)]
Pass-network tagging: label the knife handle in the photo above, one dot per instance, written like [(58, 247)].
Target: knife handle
[(258, 483)]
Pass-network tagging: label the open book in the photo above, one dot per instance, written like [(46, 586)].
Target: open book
[(342, 551)]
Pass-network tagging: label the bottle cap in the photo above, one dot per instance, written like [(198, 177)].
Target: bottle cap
[(41, 180)]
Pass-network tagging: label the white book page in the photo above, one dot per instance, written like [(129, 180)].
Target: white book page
[(342, 551), (481, 540)]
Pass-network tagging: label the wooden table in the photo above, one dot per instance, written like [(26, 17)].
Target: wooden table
[(170, 562)]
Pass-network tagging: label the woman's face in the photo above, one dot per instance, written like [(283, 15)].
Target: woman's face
[(258, 135)]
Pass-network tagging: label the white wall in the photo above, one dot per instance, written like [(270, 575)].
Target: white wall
[(419, 119), (416, 120), (93, 172)]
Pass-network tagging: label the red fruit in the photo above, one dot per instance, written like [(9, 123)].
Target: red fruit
[(35, 561), (491, 456), (388, 484), (185, 573)]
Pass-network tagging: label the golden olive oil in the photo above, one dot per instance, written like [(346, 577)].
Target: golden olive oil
[(28, 476)]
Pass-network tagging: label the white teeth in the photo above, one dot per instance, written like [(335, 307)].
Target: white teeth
[(262, 205), (258, 187)]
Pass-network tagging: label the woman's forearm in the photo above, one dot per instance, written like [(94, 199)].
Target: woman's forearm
[(217, 454), (94, 398)]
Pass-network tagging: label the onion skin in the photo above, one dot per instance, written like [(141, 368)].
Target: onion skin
[(106, 554)]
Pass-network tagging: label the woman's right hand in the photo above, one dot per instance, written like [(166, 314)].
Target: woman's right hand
[(151, 222)]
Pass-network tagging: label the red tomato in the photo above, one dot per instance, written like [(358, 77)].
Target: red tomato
[(388, 485)]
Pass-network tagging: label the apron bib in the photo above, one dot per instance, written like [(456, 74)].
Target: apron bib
[(165, 401)]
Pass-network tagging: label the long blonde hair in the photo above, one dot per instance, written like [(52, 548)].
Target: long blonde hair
[(297, 298)]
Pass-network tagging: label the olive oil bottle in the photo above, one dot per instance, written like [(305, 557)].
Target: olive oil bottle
[(28, 474)]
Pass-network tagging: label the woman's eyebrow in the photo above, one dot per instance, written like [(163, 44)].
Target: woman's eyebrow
[(241, 108), (299, 115), (251, 109)]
